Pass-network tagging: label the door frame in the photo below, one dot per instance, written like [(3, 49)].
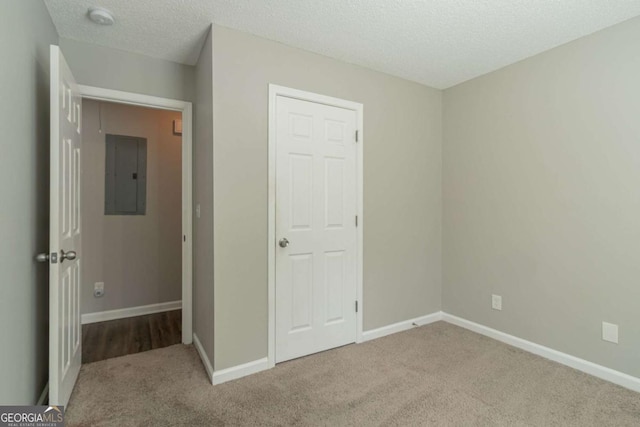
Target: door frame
[(274, 92), (130, 98)]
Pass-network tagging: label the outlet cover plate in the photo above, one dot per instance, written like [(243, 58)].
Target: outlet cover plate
[(98, 289)]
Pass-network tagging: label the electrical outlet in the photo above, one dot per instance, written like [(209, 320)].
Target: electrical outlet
[(610, 332), (98, 289), (496, 302)]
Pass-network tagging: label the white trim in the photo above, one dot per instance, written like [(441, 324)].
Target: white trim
[(590, 368), (401, 326), (131, 98), (271, 233), (187, 225), (43, 395), (235, 372), (123, 313), (187, 182), (54, 203), (274, 91), (203, 356), (360, 228)]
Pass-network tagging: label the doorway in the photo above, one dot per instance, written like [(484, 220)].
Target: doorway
[(186, 185), (315, 223), (132, 234), (175, 126)]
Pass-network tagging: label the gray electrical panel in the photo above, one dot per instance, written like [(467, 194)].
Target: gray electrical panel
[(125, 181)]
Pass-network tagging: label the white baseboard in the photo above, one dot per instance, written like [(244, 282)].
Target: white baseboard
[(43, 395), (590, 368), (401, 326), (599, 371), (203, 356), (235, 372), (240, 371), (103, 316)]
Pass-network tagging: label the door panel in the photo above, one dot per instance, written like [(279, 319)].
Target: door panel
[(334, 284), (334, 193), (126, 165), (301, 294), (301, 184), (65, 227), (315, 211)]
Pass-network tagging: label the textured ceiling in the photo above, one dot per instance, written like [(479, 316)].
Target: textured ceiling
[(435, 42)]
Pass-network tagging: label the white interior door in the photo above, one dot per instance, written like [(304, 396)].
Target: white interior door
[(316, 214), (64, 244)]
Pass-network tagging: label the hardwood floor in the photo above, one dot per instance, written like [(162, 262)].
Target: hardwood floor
[(114, 338)]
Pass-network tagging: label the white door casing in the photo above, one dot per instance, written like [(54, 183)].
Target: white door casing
[(65, 227), (186, 108), (316, 204)]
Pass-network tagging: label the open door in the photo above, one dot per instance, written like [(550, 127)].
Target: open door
[(64, 222)]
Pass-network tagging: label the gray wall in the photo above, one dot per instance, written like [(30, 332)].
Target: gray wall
[(139, 258), (203, 195), (402, 168), (542, 197), (26, 31), (109, 68)]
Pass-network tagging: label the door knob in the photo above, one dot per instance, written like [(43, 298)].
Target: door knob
[(71, 255), (283, 242), (42, 257)]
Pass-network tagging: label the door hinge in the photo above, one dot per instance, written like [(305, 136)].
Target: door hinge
[(356, 306), (184, 238), (357, 136), (356, 220)]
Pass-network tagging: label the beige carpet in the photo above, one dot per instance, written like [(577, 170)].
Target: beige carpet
[(433, 375)]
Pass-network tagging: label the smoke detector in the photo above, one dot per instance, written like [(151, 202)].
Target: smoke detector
[(100, 16)]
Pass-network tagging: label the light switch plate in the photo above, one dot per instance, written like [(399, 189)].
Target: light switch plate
[(496, 302), (610, 332)]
